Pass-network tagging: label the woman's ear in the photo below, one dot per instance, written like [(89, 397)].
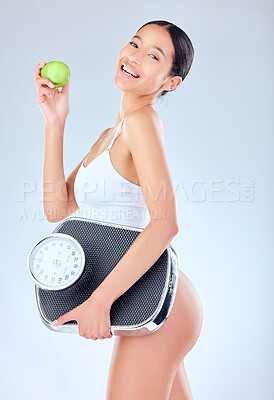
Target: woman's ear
[(172, 83)]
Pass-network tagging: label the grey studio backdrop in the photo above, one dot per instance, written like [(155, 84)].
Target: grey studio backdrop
[(219, 143)]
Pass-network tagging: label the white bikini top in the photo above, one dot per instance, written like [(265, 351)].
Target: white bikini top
[(103, 194)]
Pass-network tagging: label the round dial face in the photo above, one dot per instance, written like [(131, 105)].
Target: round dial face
[(56, 261)]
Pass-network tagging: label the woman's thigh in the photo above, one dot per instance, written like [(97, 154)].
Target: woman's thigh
[(180, 389), (143, 367)]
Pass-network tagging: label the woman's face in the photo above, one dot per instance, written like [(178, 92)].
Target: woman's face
[(150, 56)]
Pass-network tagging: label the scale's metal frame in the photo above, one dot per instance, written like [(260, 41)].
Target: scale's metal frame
[(155, 321)]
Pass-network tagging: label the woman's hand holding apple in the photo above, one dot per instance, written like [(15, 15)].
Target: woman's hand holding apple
[(53, 103)]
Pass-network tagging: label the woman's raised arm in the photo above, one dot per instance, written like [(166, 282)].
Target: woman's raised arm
[(58, 193)]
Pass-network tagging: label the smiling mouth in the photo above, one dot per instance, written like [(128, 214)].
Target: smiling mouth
[(129, 73)]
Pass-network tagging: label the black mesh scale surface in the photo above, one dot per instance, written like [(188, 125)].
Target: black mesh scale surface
[(104, 244)]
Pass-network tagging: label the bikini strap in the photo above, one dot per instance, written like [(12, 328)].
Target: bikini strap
[(115, 134)]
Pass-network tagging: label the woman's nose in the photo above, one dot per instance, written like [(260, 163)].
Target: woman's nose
[(135, 57)]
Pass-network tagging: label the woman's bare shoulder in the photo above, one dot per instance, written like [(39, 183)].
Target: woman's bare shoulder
[(145, 119), (101, 136)]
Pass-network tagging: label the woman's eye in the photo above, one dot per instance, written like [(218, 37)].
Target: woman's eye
[(155, 58), (133, 43)]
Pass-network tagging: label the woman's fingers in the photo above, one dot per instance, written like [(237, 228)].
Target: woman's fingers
[(45, 90), (39, 80), (65, 88), (38, 69), (44, 81)]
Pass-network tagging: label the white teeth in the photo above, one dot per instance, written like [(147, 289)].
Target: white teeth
[(129, 72)]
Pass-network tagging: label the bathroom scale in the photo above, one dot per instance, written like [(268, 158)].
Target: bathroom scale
[(68, 265)]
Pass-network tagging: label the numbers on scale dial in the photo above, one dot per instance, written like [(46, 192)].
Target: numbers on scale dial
[(55, 267)]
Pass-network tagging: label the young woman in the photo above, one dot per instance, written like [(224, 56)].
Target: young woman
[(154, 62)]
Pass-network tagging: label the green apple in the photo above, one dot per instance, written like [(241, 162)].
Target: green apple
[(57, 72)]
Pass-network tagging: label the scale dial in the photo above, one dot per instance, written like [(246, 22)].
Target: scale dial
[(56, 261)]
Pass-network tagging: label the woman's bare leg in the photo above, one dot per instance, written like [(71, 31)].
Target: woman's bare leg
[(144, 367), (180, 389)]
